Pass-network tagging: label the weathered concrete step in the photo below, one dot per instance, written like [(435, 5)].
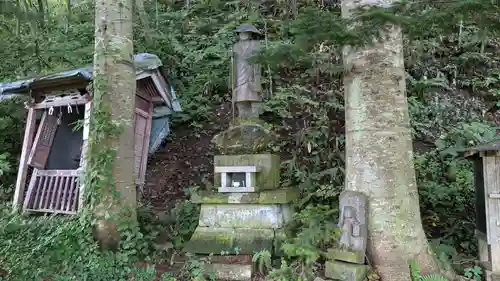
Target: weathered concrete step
[(230, 272), (214, 240)]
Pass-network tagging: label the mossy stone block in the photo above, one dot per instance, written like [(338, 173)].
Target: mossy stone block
[(276, 196), (230, 272), (243, 138), (269, 164), (345, 255), (206, 240), (344, 271)]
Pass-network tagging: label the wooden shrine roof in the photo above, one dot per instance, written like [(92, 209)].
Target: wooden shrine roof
[(489, 146), (80, 76)]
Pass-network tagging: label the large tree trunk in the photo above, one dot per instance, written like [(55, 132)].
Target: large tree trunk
[(379, 155), (111, 154)]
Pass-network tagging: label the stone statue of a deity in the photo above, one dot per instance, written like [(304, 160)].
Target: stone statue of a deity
[(352, 222), (246, 77)]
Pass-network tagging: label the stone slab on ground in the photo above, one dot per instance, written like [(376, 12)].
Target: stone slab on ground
[(269, 165), (344, 271), (344, 255), (492, 276), (244, 215), (230, 272), (232, 259), (276, 196), (206, 240)]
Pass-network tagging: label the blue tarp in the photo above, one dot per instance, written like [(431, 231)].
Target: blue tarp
[(160, 129)]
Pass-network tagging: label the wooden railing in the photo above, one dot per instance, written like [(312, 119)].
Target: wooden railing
[(53, 191)]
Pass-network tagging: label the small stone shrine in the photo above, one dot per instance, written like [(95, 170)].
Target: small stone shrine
[(347, 262), (248, 210)]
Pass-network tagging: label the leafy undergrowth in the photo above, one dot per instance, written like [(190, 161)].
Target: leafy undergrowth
[(452, 86)]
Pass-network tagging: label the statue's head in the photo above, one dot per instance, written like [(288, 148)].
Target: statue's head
[(247, 32)]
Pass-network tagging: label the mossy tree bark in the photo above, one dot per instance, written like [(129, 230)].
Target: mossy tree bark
[(379, 155), (110, 166)]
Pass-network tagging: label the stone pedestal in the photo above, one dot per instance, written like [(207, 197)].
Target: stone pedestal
[(344, 271), (244, 137), (241, 223), (347, 256), (345, 265), (246, 212)]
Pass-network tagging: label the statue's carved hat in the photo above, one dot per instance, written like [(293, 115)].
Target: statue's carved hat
[(247, 28)]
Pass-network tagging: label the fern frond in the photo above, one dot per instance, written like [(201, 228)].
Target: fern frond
[(433, 277)]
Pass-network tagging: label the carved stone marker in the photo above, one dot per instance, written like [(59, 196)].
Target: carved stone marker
[(352, 222), (347, 261)]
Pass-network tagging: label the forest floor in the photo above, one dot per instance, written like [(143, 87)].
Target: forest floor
[(185, 160)]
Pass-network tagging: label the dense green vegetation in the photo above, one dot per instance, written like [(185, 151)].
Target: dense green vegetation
[(452, 78)]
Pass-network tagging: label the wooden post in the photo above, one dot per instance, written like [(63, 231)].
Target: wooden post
[(161, 89), (83, 162), (491, 164), (145, 152), (29, 133), (483, 250)]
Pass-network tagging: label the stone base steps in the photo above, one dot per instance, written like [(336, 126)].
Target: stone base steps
[(230, 272)]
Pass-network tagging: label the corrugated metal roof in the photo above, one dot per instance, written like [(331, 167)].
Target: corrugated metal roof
[(143, 62)]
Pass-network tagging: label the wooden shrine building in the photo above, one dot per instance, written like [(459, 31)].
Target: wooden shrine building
[(486, 161), (56, 132)]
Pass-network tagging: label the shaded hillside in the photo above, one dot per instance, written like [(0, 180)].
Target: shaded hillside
[(184, 161)]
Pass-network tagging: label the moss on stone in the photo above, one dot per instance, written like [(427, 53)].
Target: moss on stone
[(208, 197), (208, 240), (243, 138), (344, 255), (222, 271), (276, 196), (345, 271)]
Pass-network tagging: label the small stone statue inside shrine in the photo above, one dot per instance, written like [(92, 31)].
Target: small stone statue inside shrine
[(353, 218), (246, 84)]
